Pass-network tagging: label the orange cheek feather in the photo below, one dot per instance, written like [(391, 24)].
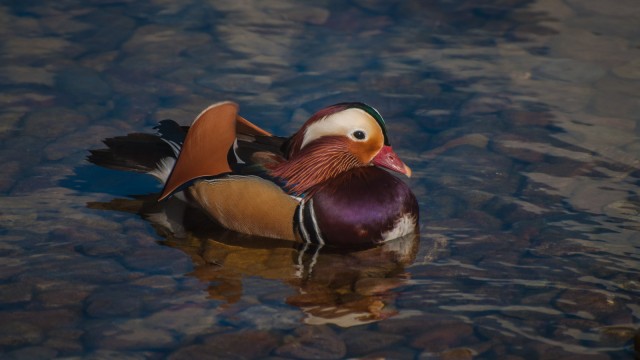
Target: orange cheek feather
[(366, 151)]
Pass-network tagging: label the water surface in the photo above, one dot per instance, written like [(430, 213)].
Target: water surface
[(520, 120)]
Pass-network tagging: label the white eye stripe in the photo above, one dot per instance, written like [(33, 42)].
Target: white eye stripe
[(343, 123)]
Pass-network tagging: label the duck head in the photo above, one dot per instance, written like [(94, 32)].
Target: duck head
[(334, 140)]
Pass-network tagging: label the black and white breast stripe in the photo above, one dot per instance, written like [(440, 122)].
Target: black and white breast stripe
[(307, 224)]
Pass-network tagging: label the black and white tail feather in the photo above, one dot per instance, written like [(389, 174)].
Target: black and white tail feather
[(152, 154), (156, 154)]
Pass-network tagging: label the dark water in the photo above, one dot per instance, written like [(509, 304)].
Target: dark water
[(519, 118)]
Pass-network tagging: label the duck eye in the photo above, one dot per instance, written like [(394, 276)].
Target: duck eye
[(359, 134)]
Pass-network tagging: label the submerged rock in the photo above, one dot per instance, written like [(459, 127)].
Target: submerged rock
[(83, 85), (19, 333), (313, 342), (364, 342), (240, 345)]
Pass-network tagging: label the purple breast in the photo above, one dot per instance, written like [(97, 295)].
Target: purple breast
[(360, 207)]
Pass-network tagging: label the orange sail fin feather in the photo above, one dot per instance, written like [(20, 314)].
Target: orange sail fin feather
[(244, 126), (204, 152)]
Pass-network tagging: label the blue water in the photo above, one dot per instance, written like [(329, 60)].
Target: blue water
[(519, 119)]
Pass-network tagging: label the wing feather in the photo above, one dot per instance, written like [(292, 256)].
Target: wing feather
[(205, 148)]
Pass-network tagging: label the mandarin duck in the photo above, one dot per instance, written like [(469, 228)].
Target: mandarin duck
[(324, 185)]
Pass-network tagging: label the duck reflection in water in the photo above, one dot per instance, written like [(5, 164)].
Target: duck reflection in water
[(333, 285)]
